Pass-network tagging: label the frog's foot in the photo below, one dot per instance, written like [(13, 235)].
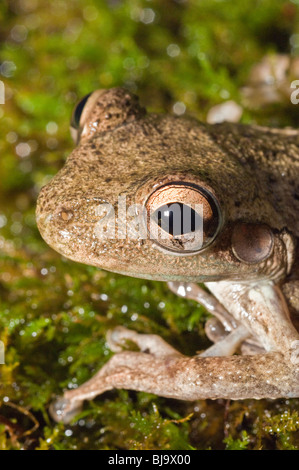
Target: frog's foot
[(162, 370), (228, 344), (238, 340), (220, 327), (65, 410), (155, 345), (152, 344), (165, 372), (215, 330)]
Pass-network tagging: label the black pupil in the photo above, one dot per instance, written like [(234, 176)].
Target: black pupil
[(177, 219), (78, 111)]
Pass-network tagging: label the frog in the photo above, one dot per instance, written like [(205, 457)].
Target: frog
[(236, 252)]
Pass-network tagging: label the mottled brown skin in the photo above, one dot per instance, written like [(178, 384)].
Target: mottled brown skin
[(253, 173)]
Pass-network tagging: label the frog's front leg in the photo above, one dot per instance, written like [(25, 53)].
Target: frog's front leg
[(190, 290), (156, 346), (152, 344), (262, 309), (220, 328)]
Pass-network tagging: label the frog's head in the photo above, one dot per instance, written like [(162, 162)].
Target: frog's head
[(155, 196)]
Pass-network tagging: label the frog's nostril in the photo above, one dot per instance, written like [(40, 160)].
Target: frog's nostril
[(66, 214)]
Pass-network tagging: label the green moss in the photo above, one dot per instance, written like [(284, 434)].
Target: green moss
[(237, 444), (54, 314)]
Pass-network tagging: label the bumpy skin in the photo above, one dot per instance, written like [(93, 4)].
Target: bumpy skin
[(254, 175)]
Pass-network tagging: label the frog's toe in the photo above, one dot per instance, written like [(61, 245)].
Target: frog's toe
[(64, 410), (116, 338)]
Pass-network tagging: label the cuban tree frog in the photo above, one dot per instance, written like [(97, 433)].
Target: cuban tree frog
[(239, 186)]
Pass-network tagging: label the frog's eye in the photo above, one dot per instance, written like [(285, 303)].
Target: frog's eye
[(183, 217), (76, 117)]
